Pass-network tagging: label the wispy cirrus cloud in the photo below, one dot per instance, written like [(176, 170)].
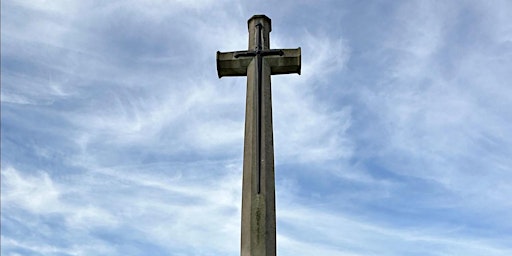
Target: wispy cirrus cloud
[(323, 235), (306, 128), (437, 121), (118, 138), (97, 205)]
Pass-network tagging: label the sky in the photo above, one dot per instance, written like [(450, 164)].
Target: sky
[(118, 138)]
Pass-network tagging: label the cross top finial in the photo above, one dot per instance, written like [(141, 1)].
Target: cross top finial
[(264, 31), (262, 18)]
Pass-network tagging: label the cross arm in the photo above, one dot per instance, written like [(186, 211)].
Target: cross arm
[(229, 65), (288, 63)]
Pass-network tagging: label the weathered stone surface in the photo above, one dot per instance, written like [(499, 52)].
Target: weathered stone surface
[(258, 188), (228, 65)]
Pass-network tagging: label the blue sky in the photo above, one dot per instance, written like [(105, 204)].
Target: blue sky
[(118, 138)]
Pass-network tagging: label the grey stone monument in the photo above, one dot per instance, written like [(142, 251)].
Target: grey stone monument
[(258, 188)]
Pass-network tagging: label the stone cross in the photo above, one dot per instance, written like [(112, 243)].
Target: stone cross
[(258, 186)]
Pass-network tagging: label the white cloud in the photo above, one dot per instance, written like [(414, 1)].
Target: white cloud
[(322, 55), (167, 211), (308, 129), (316, 230), (133, 86), (39, 195), (443, 115)]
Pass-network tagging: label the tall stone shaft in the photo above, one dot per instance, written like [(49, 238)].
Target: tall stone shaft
[(258, 189), (258, 63)]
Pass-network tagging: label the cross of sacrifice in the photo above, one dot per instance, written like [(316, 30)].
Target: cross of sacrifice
[(258, 63)]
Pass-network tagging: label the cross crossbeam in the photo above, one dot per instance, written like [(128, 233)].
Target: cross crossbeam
[(228, 64)]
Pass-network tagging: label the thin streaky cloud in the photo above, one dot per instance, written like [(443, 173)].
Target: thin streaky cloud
[(118, 138)]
